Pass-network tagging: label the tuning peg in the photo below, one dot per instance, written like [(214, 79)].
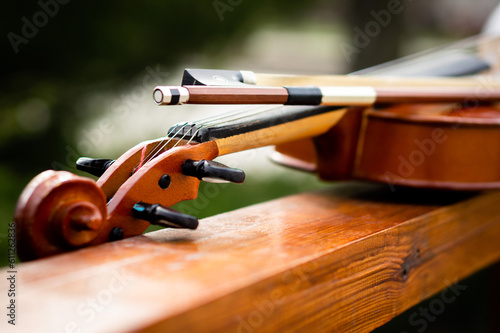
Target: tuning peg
[(212, 172), (94, 166), (166, 217)]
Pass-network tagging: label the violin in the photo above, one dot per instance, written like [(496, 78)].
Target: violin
[(450, 139)]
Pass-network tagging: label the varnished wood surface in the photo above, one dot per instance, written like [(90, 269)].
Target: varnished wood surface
[(237, 95), (451, 158), (344, 259)]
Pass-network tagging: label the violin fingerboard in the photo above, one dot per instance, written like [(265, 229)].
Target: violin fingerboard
[(198, 132)]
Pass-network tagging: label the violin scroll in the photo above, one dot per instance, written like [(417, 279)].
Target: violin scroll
[(58, 212)]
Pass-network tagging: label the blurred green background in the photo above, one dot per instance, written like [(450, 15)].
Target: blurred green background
[(76, 76)]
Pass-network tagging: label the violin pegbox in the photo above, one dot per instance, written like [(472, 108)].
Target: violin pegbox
[(60, 212), (147, 195)]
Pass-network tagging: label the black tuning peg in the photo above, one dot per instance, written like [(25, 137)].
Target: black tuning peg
[(166, 217), (94, 166), (212, 172)]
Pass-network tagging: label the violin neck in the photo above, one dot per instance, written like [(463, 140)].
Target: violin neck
[(277, 130), (261, 127)]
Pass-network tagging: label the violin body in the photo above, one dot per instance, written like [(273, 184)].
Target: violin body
[(427, 146)]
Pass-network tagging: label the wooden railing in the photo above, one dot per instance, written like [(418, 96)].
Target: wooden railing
[(344, 259)]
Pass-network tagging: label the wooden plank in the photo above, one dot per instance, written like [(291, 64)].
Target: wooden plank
[(348, 258)]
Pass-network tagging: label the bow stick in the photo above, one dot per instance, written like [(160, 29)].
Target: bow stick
[(340, 90), (330, 95)]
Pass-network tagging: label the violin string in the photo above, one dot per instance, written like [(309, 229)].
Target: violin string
[(230, 117), (180, 140), (242, 115), (162, 144), (193, 136), (171, 138), (159, 145), (153, 151), (219, 120), (212, 120), (204, 123), (226, 115)]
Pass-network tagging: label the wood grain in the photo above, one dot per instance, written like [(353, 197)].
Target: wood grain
[(345, 259), (236, 95)]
